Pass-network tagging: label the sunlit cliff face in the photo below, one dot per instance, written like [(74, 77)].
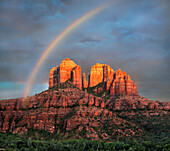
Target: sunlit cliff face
[(116, 84)]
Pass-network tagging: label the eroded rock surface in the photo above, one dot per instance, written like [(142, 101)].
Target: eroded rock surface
[(65, 71), (109, 108), (101, 73), (123, 85), (115, 83), (84, 81), (65, 110), (118, 83)]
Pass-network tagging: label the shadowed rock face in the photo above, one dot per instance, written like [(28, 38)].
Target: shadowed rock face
[(65, 71)]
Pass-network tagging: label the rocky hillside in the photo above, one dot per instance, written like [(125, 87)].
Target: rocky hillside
[(98, 110), (70, 112)]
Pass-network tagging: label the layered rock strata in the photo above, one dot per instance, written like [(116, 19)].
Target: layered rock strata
[(63, 109), (66, 110), (100, 73), (67, 70), (115, 83), (123, 85), (118, 83)]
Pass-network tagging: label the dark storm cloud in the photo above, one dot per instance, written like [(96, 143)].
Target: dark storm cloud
[(131, 35)]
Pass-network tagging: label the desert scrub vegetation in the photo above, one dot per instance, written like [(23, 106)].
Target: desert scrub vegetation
[(11, 142)]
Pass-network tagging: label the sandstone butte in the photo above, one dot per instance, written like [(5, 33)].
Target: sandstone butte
[(69, 112), (67, 70), (118, 83)]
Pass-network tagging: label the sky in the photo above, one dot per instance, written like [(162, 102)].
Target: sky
[(132, 35)]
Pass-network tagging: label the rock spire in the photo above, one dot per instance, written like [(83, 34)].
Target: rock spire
[(115, 83), (65, 71)]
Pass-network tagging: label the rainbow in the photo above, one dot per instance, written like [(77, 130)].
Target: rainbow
[(56, 41)]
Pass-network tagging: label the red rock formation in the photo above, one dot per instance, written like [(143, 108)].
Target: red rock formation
[(123, 85), (67, 108), (76, 77), (108, 75), (84, 81), (91, 101), (52, 77), (101, 73), (65, 71), (118, 84), (71, 108), (96, 102), (103, 104), (96, 75)]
